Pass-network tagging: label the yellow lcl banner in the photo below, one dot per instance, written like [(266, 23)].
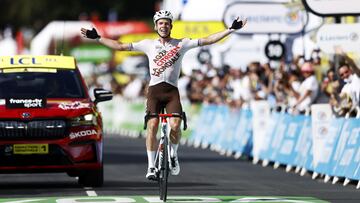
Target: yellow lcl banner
[(181, 29), (48, 61)]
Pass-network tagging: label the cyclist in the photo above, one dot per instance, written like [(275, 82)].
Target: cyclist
[(165, 55)]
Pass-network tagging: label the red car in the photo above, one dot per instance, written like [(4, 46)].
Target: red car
[(48, 121)]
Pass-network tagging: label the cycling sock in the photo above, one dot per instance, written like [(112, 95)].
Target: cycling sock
[(151, 158), (174, 149)]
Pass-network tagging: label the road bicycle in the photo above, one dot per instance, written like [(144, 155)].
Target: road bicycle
[(163, 158)]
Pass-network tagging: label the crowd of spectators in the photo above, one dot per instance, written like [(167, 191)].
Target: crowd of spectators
[(286, 86), (292, 87)]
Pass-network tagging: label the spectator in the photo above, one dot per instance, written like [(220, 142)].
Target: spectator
[(280, 91), (316, 61), (349, 98), (330, 85), (258, 89), (240, 85), (268, 78), (308, 90), (195, 87), (348, 60), (292, 82)]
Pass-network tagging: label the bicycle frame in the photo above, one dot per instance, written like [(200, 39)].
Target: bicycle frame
[(164, 138), (163, 154)]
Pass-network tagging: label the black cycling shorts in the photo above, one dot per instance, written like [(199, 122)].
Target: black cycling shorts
[(163, 95)]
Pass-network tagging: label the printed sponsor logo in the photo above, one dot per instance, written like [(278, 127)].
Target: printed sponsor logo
[(323, 131), (8, 149), (345, 35), (350, 37), (273, 18), (293, 17), (25, 103), (83, 133), (25, 115), (24, 61), (165, 59), (322, 116), (74, 105)]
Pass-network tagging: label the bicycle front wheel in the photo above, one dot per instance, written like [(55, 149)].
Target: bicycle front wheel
[(164, 171)]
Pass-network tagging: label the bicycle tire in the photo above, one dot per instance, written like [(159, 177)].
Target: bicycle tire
[(164, 171)]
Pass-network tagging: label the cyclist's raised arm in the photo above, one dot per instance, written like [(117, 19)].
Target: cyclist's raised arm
[(115, 44), (92, 34), (211, 39)]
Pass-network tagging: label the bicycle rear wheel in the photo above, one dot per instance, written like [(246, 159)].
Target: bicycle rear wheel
[(164, 171)]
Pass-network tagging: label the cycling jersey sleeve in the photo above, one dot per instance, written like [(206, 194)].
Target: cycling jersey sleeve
[(140, 46), (190, 43)]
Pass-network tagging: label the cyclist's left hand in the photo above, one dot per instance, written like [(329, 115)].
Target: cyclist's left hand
[(238, 24), (91, 34)]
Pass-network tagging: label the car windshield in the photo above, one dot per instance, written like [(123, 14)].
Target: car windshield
[(59, 84)]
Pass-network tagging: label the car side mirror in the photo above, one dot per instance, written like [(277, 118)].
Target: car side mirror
[(102, 95)]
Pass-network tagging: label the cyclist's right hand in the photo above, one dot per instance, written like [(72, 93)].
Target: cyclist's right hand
[(91, 34)]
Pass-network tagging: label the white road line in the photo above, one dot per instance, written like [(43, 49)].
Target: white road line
[(90, 192)]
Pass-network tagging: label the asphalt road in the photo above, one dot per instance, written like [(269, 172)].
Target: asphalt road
[(203, 173)]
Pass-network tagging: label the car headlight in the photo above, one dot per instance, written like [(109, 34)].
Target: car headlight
[(87, 119)]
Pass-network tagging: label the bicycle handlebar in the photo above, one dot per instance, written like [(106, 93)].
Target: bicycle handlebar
[(168, 115), (155, 115)]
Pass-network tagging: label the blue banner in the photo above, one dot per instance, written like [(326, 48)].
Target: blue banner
[(303, 148), (350, 157), (218, 126), (337, 164), (205, 120), (227, 135), (330, 136), (278, 135), (268, 150), (289, 140), (242, 139), (287, 153)]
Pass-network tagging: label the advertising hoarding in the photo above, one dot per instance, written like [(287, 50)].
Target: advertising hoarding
[(344, 35), (333, 7), (266, 18)]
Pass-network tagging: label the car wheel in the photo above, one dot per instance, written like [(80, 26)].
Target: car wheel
[(92, 178)]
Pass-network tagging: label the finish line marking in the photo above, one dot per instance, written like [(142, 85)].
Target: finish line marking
[(90, 192), (174, 199)]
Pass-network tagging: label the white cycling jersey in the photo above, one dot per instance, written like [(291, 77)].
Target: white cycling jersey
[(165, 59)]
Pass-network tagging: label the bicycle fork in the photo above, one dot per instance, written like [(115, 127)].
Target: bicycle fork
[(163, 136)]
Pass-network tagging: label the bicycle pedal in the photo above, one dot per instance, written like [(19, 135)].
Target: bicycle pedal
[(153, 177)]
